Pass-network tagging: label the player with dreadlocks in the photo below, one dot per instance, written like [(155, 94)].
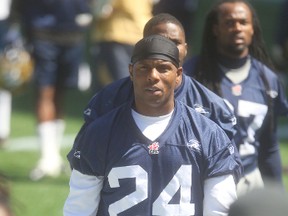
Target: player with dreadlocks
[(235, 65)]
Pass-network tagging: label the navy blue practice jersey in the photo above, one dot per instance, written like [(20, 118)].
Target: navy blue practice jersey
[(160, 177), (250, 100), (190, 92), (257, 101)]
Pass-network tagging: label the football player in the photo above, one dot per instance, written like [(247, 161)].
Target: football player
[(55, 30), (153, 155), (5, 95), (234, 64), (188, 90)]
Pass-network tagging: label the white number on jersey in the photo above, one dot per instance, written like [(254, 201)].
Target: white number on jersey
[(161, 205), (259, 111)]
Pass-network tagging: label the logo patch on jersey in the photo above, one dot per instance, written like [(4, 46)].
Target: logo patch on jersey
[(200, 109), (272, 93), (193, 145), (236, 90), (77, 154), (233, 120), (231, 149), (154, 148), (87, 112)]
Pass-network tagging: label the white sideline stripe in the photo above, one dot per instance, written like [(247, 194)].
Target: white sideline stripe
[(30, 143)]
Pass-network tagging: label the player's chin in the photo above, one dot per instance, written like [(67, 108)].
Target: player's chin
[(236, 49), (239, 47)]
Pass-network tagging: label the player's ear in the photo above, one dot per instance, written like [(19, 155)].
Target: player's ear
[(179, 75), (131, 71), (186, 49)]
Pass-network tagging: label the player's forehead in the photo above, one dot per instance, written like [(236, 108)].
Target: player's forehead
[(236, 10), (153, 62), (169, 30)]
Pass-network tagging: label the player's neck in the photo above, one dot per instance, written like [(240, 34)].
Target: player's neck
[(231, 63), (239, 74)]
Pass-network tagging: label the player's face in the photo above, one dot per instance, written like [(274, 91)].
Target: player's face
[(234, 30), (154, 82), (174, 33)]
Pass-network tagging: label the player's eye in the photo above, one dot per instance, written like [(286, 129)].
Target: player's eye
[(163, 68), (229, 23)]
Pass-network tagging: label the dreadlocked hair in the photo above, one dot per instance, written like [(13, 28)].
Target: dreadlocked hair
[(206, 69)]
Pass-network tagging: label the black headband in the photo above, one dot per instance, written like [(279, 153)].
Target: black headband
[(156, 47)]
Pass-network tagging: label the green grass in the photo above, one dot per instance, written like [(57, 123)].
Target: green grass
[(284, 157), (29, 198), (47, 196)]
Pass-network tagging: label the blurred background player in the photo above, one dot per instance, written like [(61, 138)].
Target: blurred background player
[(183, 10), (5, 95), (117, 26), (234, 64), (16, 66), (56, 32)]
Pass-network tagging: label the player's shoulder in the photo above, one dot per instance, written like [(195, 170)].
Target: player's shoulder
[(203, 89), (263, 68), (111, 89), (194, 117), (108, 118), (108, 98), (190, 64), (204, 130), (204, 96), (99, 130), (268, 76)]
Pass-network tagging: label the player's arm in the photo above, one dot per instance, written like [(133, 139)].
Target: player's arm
[(269, 159), (84, 195), (219, 194), (224, 171)]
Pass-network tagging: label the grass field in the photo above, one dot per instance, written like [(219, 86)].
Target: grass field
[(46, 197)]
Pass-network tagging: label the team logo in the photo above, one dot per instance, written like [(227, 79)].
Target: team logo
[(154, 148), (236, 90), (200, 109), (193, 145), (77, 154), (231, 149), (272, 93), (87, 112), (233, 120)]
